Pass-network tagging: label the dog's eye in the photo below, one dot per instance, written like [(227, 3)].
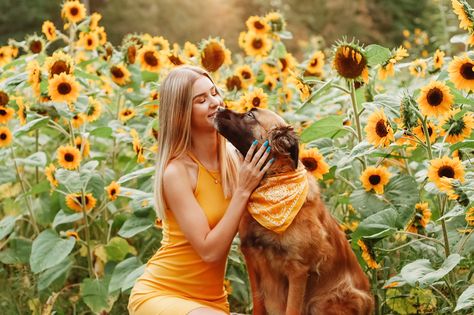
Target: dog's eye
[(250, 114)]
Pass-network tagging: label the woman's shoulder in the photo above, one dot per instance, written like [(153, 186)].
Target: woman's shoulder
[(177, 168)]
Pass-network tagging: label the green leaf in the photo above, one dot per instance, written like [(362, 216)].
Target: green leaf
[(18, 252), (462, 144), (148, 76), (85, 75), (32, 125), (69, 179), (412, 302), (95, 294), (148, 171), (378, 225), (121, 272), (132, 277), (377, 54), (63, 217), (285, 35), (36, 159), (366, 202), (8, 175), (6, 225), (47, 277), (402, 193), (102, 132), (328, 127), (420, 272), (117, 249), (48, 250), (466, 299), (134, 225)]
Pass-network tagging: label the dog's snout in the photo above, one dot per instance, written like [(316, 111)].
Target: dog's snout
[(220, 109)]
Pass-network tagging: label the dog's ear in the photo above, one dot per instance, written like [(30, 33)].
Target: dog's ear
[(284, 141)]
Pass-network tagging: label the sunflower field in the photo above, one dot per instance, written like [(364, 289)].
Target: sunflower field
[(386, 131)]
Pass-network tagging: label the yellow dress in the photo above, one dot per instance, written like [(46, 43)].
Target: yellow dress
[(176, 280)]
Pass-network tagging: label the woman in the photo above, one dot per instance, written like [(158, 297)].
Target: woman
[(201, 193)]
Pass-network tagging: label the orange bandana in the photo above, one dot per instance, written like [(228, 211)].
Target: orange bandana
[(278, 199)]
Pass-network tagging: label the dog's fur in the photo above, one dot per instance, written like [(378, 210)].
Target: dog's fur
[(310, 268)]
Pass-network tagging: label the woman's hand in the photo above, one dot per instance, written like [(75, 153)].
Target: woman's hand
[(251, 171)]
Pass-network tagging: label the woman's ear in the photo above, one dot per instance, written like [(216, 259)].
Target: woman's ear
[(284, 141)]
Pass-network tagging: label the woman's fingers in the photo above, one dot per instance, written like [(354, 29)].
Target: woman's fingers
[(263, 158), (267, 166), (259, 153), (249, 155)]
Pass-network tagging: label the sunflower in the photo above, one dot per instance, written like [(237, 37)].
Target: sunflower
[(4, 98), (5, 136), (421, 218), (113, 190), (5, 55), (385, 71), (34, 76), (286, 94), (256, 99), (74, 202), (93, 110), (432, 131), (101, 35), (120, 74), (257, 45), (287, 63), (445, 167), (59, 63), (228, 286), (73, 11), (49, 30), (68, 157), (6, 113), (161, 43), (131, 54), (257, 25), (90, 41), (94, 21), (418, 68), (190, 50), (350, 62), (78, 120), (246, 74), (150, 59), (314, 162), (435, 99), (126, 114), (304, 90), (270, 82), (35, 44), (447, 185), (276, 21), (138, 148), (213, 55), (63, 88), (73, 234), (234, 82), (82, 144), (438, 59), (457, 128), (49, 172), (461, 73), (470, 216), (463, 11), (21, 110), (375, 178), (316, 64), (368, 255), (378, 130)]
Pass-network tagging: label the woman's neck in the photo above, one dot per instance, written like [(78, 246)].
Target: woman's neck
[(205, 148)]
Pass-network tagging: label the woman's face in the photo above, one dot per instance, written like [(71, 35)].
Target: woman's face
[(205, 101)]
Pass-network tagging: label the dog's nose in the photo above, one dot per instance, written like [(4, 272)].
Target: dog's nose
[(220, 109)]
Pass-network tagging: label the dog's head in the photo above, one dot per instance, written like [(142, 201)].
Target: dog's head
[(242, 128)]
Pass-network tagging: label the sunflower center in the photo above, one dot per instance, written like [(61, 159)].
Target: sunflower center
[(233, 82), (310, 163), (257, 43), (374, 179), (314, 63), (258, 25), (90, 42), (466, 71), (381, 128), (131, 54), (4, 98), (127, 112), (113, 191), (246, 75), (457, 127), (446, 171), (3, 112), (69, 157), (64, 88), (430, 130), (256, 101), (3, 136), (150, 59), (58, 67), (36, 46), (349, 63), (74, 11), (434, 97), (284, 64), (175, 60), (117, 72)]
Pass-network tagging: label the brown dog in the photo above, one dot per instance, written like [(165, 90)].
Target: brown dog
[(310, 267)]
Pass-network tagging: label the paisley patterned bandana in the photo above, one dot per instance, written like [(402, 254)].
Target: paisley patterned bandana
[(278, 199)]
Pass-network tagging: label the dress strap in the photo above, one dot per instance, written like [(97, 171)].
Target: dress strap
[(194, 158)]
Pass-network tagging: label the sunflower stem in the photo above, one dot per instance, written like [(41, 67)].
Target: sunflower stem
[(464, 241), (86, 232), (356, 117), (442, 205), (27, 200), (71, 129), (421, 236), (427, 137), (37, 148)]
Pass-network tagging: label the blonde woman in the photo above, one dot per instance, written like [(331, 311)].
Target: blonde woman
[(201, 191)]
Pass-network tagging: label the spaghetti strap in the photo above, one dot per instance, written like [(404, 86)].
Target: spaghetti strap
[(194, 158)]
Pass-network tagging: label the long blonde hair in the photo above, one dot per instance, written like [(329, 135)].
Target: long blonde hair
[(174, 137)]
